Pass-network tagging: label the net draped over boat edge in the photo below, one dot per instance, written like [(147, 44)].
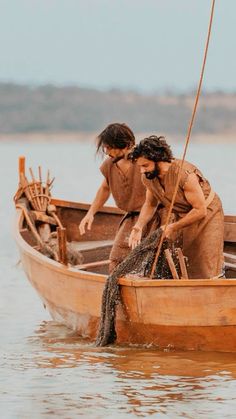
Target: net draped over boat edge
[(138, 262)]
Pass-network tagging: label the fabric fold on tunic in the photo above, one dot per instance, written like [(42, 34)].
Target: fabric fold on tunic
[(203, 240), (129, 194)]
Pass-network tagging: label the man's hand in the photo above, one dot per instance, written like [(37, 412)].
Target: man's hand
[(170, 232), (86, 221), (135, 237)]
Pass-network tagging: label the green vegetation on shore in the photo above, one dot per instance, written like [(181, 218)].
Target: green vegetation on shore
[(25, 109)]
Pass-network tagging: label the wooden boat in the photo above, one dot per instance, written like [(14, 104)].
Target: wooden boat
[(182, 314)]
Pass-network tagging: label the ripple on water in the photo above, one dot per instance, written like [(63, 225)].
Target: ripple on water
[(46, 370)]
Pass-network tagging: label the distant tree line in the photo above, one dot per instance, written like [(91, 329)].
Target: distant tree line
[(70, 109)]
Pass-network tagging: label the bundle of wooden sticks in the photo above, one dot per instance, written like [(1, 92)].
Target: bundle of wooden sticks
[(38, 209), (37, 191)]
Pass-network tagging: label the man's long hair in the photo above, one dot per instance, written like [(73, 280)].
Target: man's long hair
[(115, 136), (152, 148)]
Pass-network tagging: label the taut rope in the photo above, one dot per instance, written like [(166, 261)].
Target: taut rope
[(187, 139)]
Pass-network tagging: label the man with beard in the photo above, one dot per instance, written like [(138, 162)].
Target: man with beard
[(197, 215), (123, 180)]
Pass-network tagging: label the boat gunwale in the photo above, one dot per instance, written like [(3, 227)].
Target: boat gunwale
[(228, 218), (92, 276), (84, 206)]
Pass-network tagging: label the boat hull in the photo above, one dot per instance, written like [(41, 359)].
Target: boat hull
[(165, 314), (174, 314)]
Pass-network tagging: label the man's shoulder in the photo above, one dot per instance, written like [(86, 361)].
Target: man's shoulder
[(186, 167), (106, 164)]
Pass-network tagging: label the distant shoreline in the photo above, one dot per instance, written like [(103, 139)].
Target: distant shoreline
[(83, 137), (50, 113)]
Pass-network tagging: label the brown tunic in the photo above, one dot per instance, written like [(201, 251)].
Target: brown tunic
[(129, 193), (127, 189), (203, 240)]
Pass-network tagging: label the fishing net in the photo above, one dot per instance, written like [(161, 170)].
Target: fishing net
[(51, 250), (138, 262)]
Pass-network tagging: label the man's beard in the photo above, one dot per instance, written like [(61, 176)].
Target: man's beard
[(153, 174)]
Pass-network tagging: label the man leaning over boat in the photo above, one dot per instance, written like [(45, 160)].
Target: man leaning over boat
[(197, 211), (122, 179)]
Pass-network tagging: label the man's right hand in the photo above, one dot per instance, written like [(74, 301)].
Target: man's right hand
[(135, 237), (86, 221)]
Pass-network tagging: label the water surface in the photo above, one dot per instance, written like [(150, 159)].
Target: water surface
[(46, 370)]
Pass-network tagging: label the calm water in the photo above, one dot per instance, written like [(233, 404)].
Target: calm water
[(47, 371)]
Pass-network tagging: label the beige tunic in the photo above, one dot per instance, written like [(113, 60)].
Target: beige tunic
[(129, 193), (203, 240)]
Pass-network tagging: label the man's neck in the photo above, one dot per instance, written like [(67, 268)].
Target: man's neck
[(163, 167)]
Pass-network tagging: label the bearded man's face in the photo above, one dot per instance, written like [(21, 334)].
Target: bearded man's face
[(148, 167)]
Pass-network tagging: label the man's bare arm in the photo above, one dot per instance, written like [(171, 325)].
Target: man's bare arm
[(195, 197), (101, 197), (147, 211)]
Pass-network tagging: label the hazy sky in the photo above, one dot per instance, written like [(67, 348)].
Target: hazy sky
[(144, 44)]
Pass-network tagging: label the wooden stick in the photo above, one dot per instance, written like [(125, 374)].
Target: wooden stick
[(52, 211), (56, 218), (92, 264), (51, 182), (187, 139), (42, 199), (183, 268), (25, 185), (40, 216), (37, 200), (30, 224), (171, 264), (21, 166), (48, 178), (47, 183), (62, 250)]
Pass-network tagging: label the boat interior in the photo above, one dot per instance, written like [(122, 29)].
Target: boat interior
[(94, 246)]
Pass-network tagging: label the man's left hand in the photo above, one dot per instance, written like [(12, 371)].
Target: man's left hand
[(170, 231)]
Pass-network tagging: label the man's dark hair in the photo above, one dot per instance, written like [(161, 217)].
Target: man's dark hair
[(115, 136), (152, 148)]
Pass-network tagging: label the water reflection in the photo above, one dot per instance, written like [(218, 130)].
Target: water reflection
[(52, 372), (135, 359), (133, 380)]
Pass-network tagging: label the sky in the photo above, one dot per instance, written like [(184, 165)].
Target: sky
[(145, 45)]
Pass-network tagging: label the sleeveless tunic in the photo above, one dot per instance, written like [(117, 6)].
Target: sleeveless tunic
[(202, 240), (129, 194)]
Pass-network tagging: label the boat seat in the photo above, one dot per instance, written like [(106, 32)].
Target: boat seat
[(85, 266), (89, 245), (230, 258)]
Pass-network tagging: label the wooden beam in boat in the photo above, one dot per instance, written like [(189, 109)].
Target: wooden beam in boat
[(230, 218), (83, 206), (183, 268), (61, 235), (85, 266), (230, 257), (171, 264), (230, 231), (39, 216)]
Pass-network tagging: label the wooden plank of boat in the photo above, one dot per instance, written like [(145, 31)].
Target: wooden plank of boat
[(90, 265), (92, 244), (230, 257), (187, 314), (230, 231)]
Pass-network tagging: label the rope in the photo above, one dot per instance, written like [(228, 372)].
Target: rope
[(187, 139)]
